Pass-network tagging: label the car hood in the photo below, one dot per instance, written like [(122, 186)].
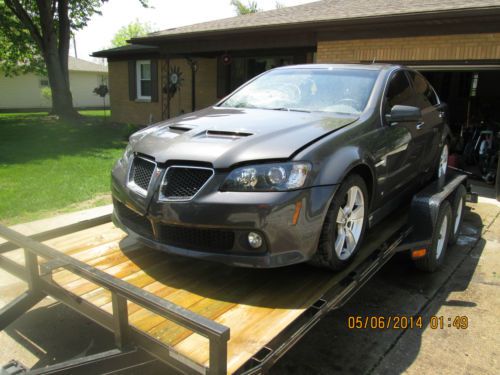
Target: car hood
[(227, 136)]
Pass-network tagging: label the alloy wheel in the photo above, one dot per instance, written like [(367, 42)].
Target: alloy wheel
[(458, 216), (442, 237), (350, 220), (443, 161)]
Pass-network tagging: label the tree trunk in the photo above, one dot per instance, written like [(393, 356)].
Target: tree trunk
[(62, 100), (57, 69), (51, 34)]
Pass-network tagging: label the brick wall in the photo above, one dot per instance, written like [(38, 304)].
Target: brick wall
[(423, 48), (122, 109), (138, 112)]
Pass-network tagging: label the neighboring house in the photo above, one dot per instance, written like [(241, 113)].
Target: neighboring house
[(24, 92), (452, 42)]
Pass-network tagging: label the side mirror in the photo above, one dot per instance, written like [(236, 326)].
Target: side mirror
[(404, 113)]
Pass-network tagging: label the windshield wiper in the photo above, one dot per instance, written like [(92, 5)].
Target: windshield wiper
[(289, 109)]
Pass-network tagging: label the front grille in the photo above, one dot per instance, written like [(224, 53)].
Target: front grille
[(184, 182), (141, 172), (196, 239), (132, 220)]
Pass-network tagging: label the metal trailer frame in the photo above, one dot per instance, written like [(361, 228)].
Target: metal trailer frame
[(136, 348)]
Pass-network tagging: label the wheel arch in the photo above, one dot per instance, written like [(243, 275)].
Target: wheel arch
[(365, 172)]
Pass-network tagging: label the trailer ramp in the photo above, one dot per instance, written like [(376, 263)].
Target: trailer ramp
[(196, 316)]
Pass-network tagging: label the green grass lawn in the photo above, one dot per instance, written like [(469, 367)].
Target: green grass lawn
[(49, 166)]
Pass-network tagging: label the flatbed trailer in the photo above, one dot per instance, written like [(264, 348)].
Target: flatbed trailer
[(197, 316)]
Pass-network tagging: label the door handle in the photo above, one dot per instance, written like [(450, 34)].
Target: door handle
[(441, 114), (420, 125)]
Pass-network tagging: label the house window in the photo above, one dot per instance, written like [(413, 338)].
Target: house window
[(143, 76), (44, 82)]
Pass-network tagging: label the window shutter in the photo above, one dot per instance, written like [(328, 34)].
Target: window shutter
[(132, 86), (154, 80)]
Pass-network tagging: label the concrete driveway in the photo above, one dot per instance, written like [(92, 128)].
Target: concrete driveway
[(467, 286)]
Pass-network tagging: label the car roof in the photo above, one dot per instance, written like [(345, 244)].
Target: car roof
[(378, 67)]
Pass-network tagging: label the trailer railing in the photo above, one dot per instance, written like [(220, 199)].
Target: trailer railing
[(39, 279)]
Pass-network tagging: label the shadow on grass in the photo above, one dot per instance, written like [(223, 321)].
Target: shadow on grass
[(26, 138)]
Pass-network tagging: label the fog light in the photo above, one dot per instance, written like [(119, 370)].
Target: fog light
[(255, 240)]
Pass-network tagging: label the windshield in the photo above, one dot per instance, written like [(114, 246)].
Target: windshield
[(344, 91)]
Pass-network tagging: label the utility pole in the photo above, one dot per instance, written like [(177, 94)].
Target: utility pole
[(74, 45)]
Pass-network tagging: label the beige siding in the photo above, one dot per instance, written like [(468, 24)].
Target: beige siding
[(82, 88), (21, 92), (24, 91), (424, 48)]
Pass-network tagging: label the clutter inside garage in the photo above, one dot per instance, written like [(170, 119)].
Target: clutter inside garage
[(473, 99)]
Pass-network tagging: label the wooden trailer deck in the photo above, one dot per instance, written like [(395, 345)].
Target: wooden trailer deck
[(257, 305)]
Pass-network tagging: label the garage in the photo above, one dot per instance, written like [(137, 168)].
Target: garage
[(471, 92)]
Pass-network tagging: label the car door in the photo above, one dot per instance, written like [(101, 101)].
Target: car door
[(433, 120), (404, 148)]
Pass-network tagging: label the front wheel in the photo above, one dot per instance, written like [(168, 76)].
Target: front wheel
[(345, 224)]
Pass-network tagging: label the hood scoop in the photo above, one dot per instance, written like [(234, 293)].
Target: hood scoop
[(180, 129), (220, 134)]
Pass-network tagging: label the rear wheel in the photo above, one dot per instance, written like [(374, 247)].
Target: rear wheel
[(443, 162), (345, 224), (434, 256), (458, 206)]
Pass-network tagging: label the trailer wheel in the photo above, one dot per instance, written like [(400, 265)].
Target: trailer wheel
[(434, 256), (345, 225), (497, 179), (458, 205)]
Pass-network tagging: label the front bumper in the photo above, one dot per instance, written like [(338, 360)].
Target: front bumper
[(213, 214)]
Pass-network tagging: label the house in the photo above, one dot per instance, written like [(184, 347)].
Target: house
[(26, 92), (456, 44)]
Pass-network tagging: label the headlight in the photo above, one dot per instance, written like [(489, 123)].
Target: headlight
[(268, 177)]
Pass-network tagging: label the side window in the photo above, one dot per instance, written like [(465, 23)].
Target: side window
[(399, 92), (426, 97), (143, 76)]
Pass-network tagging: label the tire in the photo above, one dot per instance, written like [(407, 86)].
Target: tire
[(442, 163), (436, 251), (336, 223), (458, 206), (497, 179)]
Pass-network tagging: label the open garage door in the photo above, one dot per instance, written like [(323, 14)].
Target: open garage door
[(473, 97), (471, 92)]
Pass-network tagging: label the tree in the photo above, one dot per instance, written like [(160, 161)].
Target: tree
[(241, 8), (35, 35), (132, 30)]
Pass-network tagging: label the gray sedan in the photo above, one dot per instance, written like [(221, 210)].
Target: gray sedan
[(293, 166)]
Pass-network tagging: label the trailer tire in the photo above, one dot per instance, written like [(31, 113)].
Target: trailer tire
[(326, 254), (497, 179), (436, 251), (458, 206)]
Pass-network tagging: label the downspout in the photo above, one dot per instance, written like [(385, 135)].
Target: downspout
[(194, 69)]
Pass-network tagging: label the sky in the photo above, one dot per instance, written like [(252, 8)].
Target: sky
[(163, 14)]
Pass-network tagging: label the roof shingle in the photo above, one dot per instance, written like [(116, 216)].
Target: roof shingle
[(326, 10)]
